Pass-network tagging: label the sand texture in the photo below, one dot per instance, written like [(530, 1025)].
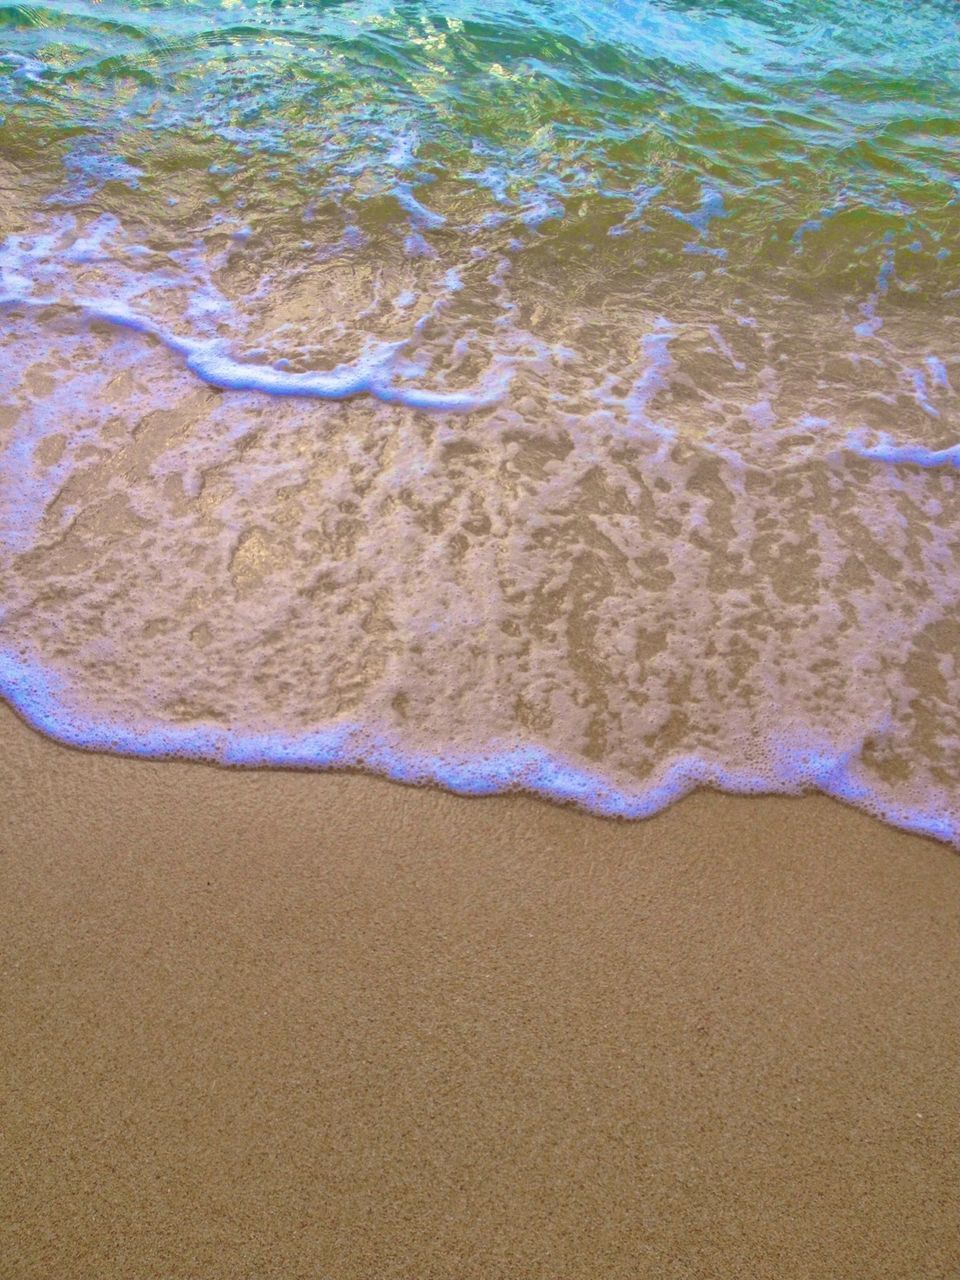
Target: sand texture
[(266, 1026)]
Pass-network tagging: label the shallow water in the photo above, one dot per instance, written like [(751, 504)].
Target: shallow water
[(531, 395)]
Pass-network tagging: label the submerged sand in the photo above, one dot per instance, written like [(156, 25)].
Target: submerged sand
[(264, 1026)]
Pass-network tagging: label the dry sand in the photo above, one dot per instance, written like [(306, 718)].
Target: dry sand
[(266, 1026)]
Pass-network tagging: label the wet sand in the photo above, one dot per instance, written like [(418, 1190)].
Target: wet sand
[(266, 1026)]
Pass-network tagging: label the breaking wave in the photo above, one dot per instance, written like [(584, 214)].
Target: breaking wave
[(523, 397)]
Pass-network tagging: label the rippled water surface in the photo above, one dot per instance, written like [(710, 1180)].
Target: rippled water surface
[(510, 395)]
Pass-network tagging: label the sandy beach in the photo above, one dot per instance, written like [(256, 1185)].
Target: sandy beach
[(548, 393), (265, 1026)]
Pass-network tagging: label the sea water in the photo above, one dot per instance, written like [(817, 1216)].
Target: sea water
[(523, 394)]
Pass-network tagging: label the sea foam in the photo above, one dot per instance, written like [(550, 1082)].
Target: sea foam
[(562, 405)]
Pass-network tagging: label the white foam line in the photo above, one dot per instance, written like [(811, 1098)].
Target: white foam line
[(369, 375)]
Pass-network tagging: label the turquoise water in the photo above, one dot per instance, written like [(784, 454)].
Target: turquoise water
[(516, 395), (802, 138)]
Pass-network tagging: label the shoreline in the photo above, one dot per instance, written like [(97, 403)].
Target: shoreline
[(528, 770)]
